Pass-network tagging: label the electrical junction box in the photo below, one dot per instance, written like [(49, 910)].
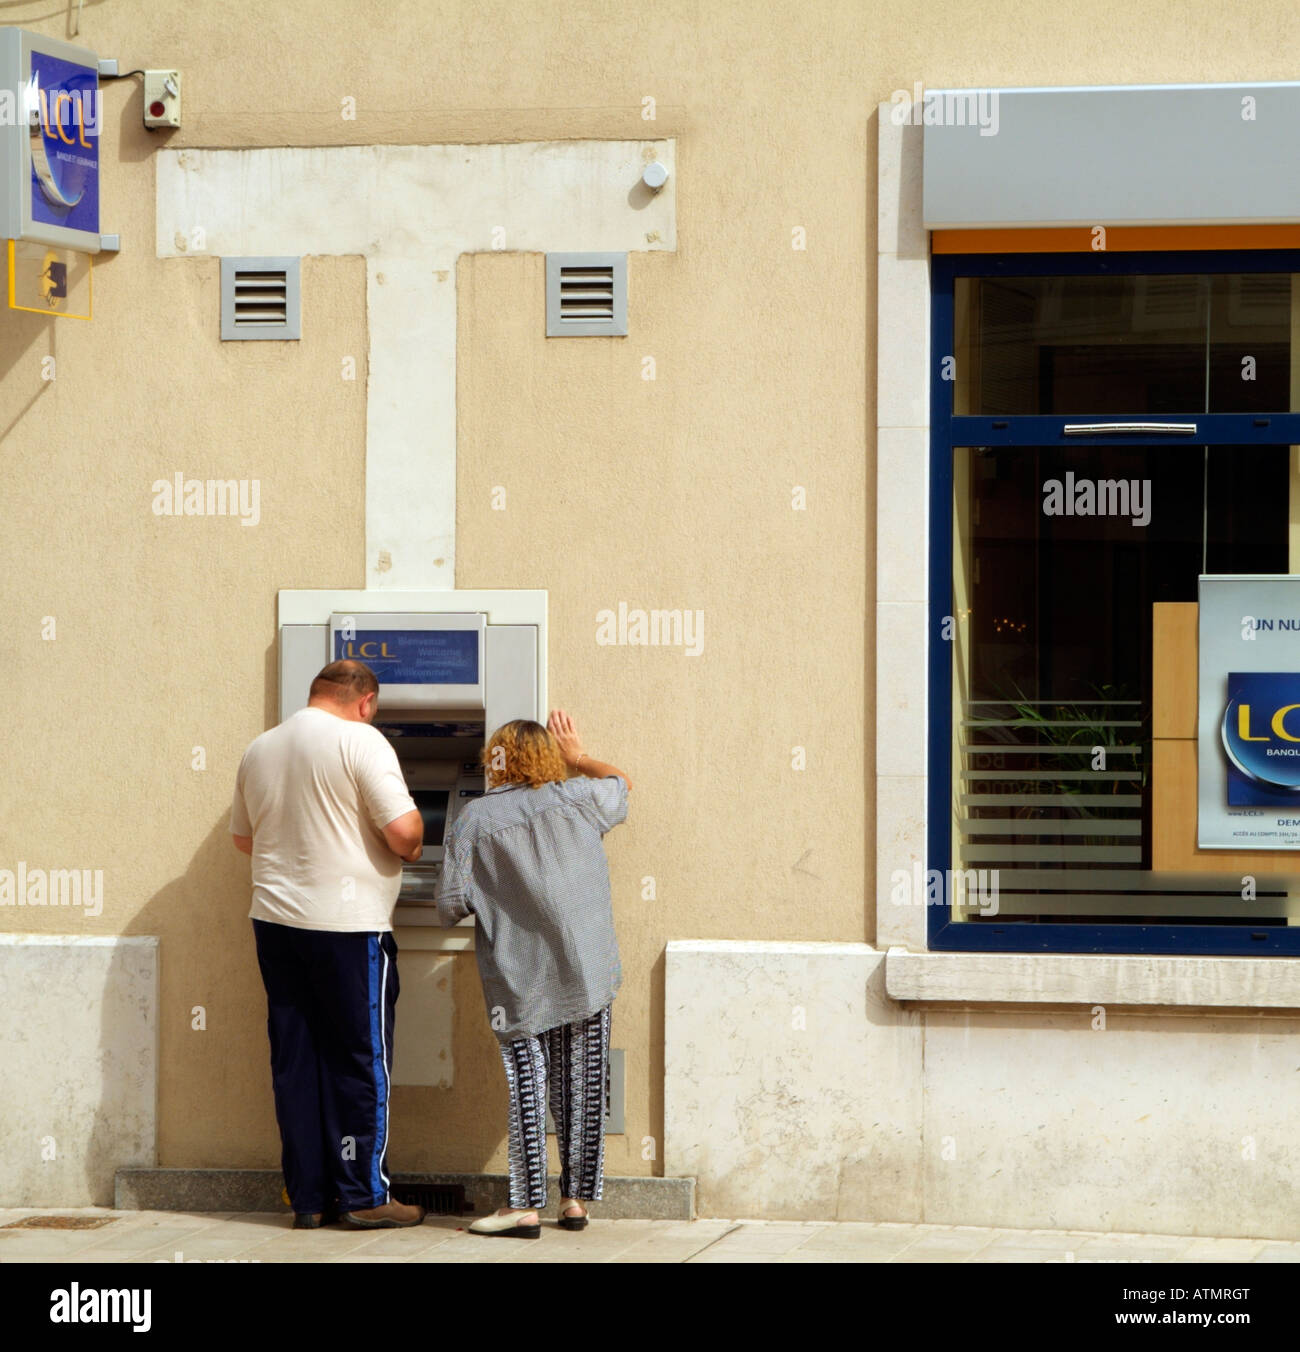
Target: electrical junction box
[(162, 98)]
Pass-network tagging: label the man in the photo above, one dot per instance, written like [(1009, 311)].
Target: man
[(321, 806)]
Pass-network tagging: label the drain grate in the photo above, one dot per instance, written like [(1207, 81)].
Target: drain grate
[(438, 1199), (60, 1223)]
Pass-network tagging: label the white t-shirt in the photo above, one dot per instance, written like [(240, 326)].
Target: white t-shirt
[(315, 793)]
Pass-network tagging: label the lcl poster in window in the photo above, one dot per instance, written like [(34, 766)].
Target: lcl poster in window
[(1248, 748)]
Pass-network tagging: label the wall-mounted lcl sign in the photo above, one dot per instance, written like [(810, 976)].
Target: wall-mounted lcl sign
[(50, 121)]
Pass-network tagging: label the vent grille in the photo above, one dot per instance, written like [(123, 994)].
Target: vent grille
[(1259, 298), (586, 295), (1171, 304), (260, 298), (438, 1199)]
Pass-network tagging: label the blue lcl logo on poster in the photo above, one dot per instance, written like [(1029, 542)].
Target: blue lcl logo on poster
[(1261, 738)]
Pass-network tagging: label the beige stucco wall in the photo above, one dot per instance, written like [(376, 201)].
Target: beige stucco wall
[(669, 493)]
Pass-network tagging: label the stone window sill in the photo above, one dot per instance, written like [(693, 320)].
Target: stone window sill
[(1092, 979)]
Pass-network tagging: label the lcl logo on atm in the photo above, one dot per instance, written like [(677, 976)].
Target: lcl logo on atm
[(368, 652), (1261, 737)]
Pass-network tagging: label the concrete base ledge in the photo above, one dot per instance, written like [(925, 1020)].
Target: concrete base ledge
[(670, 1199), (1093, 979)]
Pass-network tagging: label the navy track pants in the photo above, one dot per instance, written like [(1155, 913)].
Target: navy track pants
[(331, 999)]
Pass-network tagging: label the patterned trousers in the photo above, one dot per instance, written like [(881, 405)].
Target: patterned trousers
[(571, 1063)]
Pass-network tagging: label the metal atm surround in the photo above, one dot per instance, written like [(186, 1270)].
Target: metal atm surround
[(513, 672)]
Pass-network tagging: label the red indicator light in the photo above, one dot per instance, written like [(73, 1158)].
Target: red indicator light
[(157, 108)]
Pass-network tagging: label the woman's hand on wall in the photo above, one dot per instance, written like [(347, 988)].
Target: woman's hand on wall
[(561, 727)]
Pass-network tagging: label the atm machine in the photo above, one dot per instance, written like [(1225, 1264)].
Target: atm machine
[(452, 667)]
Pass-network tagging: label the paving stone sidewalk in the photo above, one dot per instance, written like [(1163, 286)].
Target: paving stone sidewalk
[(167, 1236)]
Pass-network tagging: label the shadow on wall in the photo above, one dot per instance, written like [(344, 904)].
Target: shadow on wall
[(215, 1106), (21, 331), (123, 1112)]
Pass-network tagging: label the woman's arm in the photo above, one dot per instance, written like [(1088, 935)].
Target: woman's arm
[(562, 729)]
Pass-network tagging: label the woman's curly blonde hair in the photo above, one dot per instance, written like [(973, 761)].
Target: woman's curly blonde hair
[(523, 752)]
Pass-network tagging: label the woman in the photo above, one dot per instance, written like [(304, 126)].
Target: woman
[(527, 861)]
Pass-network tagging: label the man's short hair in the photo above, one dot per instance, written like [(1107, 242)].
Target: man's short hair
[(344, 682)]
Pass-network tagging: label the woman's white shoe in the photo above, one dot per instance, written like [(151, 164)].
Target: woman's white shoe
[(514, 1224)]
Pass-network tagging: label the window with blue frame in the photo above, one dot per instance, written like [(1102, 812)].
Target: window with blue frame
[(1105, 429)]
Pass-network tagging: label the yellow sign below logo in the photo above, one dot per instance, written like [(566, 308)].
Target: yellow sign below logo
[(47, 280)]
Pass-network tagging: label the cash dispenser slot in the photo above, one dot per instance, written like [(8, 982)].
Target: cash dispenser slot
[(440, 760)]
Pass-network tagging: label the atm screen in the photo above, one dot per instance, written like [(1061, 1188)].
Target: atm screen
[(433, 809)]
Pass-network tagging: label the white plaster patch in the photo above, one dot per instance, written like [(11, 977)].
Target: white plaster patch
[(411, 211)]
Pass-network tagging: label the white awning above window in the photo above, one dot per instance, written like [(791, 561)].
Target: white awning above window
[(1118, 155)]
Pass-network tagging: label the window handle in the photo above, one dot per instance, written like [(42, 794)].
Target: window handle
[(1102, 429)]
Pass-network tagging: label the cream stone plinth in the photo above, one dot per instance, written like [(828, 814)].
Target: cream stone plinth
[(78, 1065)]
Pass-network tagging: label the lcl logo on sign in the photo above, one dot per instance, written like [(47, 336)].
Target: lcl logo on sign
[(1261, 738), (63, 110)]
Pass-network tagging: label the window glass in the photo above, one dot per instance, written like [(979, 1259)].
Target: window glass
[(1062, 557), (1155, 343)]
